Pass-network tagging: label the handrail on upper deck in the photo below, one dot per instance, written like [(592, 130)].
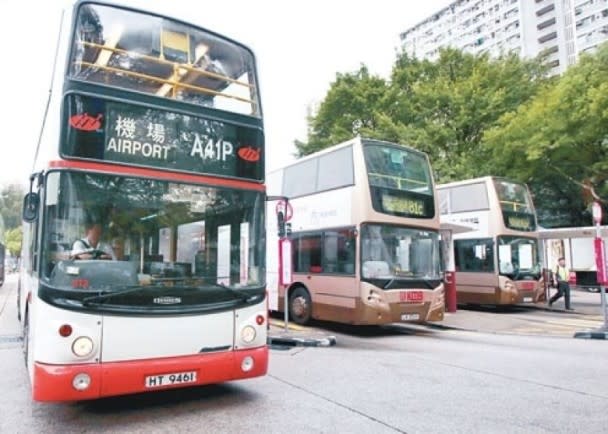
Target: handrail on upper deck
[(170, 80), (397, 178)]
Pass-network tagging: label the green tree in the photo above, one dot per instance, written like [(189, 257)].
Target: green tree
[(11, 199), (351, 107), (558, 142), (13, 238), (442, 107), (445, 107)]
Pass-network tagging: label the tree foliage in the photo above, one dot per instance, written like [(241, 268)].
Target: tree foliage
[(11, 199), (13, 240), (478, 116), (350, 107), (558, 142)]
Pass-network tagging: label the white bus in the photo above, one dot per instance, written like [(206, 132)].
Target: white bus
[(498, 262), (365, 236), (143, 250)]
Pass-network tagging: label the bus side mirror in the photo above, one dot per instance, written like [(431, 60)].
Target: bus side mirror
[(31, 205)]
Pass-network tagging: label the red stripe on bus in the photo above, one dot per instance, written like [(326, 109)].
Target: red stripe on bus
[(157, 174), (53, 383)]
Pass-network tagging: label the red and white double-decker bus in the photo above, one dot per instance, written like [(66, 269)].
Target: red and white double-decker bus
[(143, 255)]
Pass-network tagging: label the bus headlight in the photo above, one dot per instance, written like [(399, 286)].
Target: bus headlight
[(509, 286), (248, 334), (82, 346)]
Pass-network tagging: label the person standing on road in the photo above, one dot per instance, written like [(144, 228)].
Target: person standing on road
[(561, 282)]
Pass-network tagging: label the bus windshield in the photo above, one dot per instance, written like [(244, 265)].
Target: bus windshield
[(154, 55), (400, 180), (392, 252), (518, 256), (516, 205), (513, 197), (161, 244)]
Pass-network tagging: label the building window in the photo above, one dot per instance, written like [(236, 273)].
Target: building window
[(547, 37), (546, 24)]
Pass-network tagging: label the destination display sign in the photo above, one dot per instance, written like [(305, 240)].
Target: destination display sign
[(130, 134), (402, 203), (519, 221)]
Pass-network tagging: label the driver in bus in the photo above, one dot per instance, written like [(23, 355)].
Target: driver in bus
[(90, 246)]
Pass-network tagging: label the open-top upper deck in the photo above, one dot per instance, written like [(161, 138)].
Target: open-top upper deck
[(139, 51)]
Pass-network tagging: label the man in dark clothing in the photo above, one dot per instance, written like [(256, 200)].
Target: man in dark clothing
[(561, 282)]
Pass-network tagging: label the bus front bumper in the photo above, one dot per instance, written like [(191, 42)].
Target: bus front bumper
[(66, 382)]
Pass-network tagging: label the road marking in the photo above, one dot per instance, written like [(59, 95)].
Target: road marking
[(279, 323)]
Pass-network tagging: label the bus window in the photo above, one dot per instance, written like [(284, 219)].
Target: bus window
[(474, 255)]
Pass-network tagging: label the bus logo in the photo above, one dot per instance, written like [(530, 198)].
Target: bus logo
[(86, 122), (167, 300), (249, 154)]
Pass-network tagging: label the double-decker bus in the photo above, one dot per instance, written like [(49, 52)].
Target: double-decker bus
[(144, 251), (365, 236), (498, 261)]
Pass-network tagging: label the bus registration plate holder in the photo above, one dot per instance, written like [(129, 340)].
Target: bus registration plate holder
[(528, 299), (410, 317), (170, 379)]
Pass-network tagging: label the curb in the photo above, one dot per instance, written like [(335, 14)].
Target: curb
[(592, 334), (294, 341)]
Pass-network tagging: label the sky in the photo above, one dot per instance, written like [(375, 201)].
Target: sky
[(299, 46)]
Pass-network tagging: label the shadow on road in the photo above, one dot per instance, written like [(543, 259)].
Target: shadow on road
[(174, 399)]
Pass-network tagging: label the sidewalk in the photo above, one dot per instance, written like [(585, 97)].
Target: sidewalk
[(297, 336), (583, 322)]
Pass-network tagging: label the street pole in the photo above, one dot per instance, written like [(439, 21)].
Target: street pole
[(602, 278), (602, 262), (600, 259)]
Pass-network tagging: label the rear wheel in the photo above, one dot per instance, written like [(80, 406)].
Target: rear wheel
[(300, 306), (19, 299), (26, 339)]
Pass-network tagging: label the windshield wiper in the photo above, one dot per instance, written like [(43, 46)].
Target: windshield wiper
[(100, 297), (239, 293), (97, 298)]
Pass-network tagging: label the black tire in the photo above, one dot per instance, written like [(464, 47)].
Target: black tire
[(26, 339), (300, 306), (19, 300)]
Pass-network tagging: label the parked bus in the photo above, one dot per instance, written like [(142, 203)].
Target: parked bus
[(365, 236), (498, 261), (143, 258)]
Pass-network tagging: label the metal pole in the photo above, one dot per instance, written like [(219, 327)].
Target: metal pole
[(286, 307), (598, 235), (603, 294)]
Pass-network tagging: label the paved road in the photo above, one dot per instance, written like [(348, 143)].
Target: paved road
[(375, 380)]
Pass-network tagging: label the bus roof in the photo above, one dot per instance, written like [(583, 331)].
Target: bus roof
[(475, 180), (574, 232), (355, 140)]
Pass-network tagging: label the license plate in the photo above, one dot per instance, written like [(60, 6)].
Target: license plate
[(527, 286), (170, 379), (411, 296), (527, 299), (410, 317)]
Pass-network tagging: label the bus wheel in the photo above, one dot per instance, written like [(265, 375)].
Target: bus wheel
[(300, 306), (26, 338), (19, 300)]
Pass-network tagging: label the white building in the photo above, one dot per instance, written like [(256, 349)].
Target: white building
[(560, 29)]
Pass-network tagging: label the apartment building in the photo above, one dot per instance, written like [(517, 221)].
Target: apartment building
[(559, 29)]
